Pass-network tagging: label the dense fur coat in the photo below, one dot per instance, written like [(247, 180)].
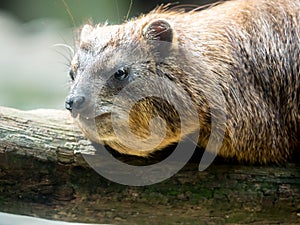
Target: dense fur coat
[(250, 49)]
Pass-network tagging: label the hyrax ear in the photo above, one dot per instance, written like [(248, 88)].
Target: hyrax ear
[(85, 36), (158, 30), (159, 34)]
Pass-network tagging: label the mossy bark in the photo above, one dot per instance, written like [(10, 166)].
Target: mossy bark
[(42, 173)]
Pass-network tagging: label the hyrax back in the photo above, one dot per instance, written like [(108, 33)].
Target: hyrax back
[(249, 50)]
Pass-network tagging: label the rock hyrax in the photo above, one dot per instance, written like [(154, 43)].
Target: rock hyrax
[(248, 49)]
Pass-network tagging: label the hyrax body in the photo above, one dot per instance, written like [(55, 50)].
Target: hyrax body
[(248, 50)]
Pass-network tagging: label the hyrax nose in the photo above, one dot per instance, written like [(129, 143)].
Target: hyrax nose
[(75, 102)]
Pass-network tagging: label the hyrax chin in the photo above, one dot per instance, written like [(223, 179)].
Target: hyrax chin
[(240, 58)]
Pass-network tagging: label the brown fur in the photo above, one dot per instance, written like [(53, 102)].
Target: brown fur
[(250, 48)]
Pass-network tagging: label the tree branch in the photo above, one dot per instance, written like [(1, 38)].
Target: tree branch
[(42, 173), (45, 134)]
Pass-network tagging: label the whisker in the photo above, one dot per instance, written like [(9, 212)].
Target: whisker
[(206, 6), (72, 18), (68, 57), (69, 12), (129, 10), (65, 57), (66, 46), (65, 42), (184, 7)]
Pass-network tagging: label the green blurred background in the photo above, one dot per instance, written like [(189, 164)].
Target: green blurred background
[(33, 73)]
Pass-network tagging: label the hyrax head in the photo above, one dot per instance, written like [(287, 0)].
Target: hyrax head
[(123, 78)]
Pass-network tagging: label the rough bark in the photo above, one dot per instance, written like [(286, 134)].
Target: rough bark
[(42, 173), (48, 135)]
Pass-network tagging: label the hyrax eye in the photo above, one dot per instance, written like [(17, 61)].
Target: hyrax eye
[(121, 74), (72, 74)]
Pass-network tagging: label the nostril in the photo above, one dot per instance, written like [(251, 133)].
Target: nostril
[(74, 102), (69, 103)]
